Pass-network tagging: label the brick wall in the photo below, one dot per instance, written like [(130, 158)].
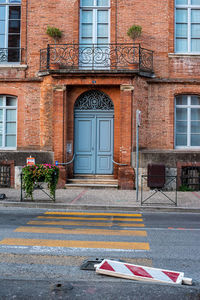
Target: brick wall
[(28, 108), (156, 18), (45, 105)]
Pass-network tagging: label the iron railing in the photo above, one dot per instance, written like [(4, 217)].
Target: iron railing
[(101, 57), (5, 174), (190, 178), (10, 55)]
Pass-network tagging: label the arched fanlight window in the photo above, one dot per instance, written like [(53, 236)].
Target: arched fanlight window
[(93, 100)]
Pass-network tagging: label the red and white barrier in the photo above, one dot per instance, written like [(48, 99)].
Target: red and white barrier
[(136, 272)]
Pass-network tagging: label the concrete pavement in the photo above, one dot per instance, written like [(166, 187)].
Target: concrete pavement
[(102, 199)]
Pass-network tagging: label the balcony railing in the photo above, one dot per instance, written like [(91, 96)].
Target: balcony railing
[(107, 58), (10, 55)]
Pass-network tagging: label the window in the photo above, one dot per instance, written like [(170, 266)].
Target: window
[(8, 121), (94, 34), (187, 16), (187, 121), (10, 19), (94, 22)]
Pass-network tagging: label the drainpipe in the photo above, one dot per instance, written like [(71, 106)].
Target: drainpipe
[(116, 21)]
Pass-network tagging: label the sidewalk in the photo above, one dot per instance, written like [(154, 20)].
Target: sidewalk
[(102, 199)]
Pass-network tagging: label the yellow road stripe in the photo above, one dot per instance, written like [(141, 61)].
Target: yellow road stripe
[(109, 224), (76, 244), (82, 231), (93, 219), (92, 214)]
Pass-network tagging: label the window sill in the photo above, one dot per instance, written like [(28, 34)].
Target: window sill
[(8, 149), (174, 55), (13, 66), (188, 148)]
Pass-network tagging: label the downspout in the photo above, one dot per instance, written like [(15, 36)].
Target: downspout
[(116, 21), (26, 37)]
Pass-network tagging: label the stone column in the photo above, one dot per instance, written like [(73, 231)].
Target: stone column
[(46, 111), (59, 130), (59, 123), (126, 173)]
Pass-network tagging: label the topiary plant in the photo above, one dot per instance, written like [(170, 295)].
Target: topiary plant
[(134, 31), (54, 32)]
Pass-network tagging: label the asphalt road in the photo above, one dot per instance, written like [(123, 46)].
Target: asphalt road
[(41, 253)]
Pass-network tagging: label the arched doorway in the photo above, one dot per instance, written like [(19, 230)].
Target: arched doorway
[(93, 133)]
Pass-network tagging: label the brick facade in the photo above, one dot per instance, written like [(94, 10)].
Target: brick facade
[(46, 100)]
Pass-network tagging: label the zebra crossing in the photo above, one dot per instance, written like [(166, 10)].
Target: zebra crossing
[(92, 230)]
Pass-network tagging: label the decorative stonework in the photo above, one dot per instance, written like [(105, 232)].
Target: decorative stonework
[(93, 100)]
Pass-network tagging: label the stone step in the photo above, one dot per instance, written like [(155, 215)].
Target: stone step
[(92, 181), (83, 176), (91, 186)]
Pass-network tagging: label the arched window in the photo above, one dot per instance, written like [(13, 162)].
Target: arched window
[(93, 100), (187, 121), (10, 22), (8, 122)]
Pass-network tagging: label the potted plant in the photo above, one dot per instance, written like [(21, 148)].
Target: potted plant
[(134, 32), (56, 34), (34, 174)]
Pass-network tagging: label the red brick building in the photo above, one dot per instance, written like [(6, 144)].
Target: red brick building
[(78, 98)]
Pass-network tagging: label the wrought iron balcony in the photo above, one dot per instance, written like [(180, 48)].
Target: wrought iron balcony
[(10, 55), (106, 58)]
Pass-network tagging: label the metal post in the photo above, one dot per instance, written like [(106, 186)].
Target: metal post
[(21, 196), (140, 58), (93, 50), (48, 56), (138, 114)]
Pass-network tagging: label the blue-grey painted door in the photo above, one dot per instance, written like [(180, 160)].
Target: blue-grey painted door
[(84, 145), (93, 143), (104, 145)]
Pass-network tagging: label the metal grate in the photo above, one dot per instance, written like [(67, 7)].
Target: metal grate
[(4, 176), (190, 177)]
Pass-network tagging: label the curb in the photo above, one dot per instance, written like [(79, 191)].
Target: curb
[(98, 207)]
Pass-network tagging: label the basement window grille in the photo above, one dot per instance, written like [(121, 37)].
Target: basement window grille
[(190, 177), (4, 176)]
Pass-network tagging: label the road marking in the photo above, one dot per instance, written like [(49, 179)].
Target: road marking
[(82, 231), (92, 214), (109, 224), (93, 219), (196, 194), (76, 244), (173, 228), (78, 197)]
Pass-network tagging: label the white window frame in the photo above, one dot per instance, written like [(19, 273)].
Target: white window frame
[(8, 4), (94, 9), (189, 8), (94, 43), (5, 108), (188, 107)]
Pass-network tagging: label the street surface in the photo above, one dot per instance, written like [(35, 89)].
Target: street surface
[(41, 252)]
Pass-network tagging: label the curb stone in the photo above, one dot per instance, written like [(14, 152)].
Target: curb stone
[(98, 207)]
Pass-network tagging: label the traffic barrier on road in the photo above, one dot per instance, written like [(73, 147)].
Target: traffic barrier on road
[(136, 272)]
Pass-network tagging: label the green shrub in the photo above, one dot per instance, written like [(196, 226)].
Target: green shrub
[(40, 173), (54, 32), (185, 188), (134, 31)]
